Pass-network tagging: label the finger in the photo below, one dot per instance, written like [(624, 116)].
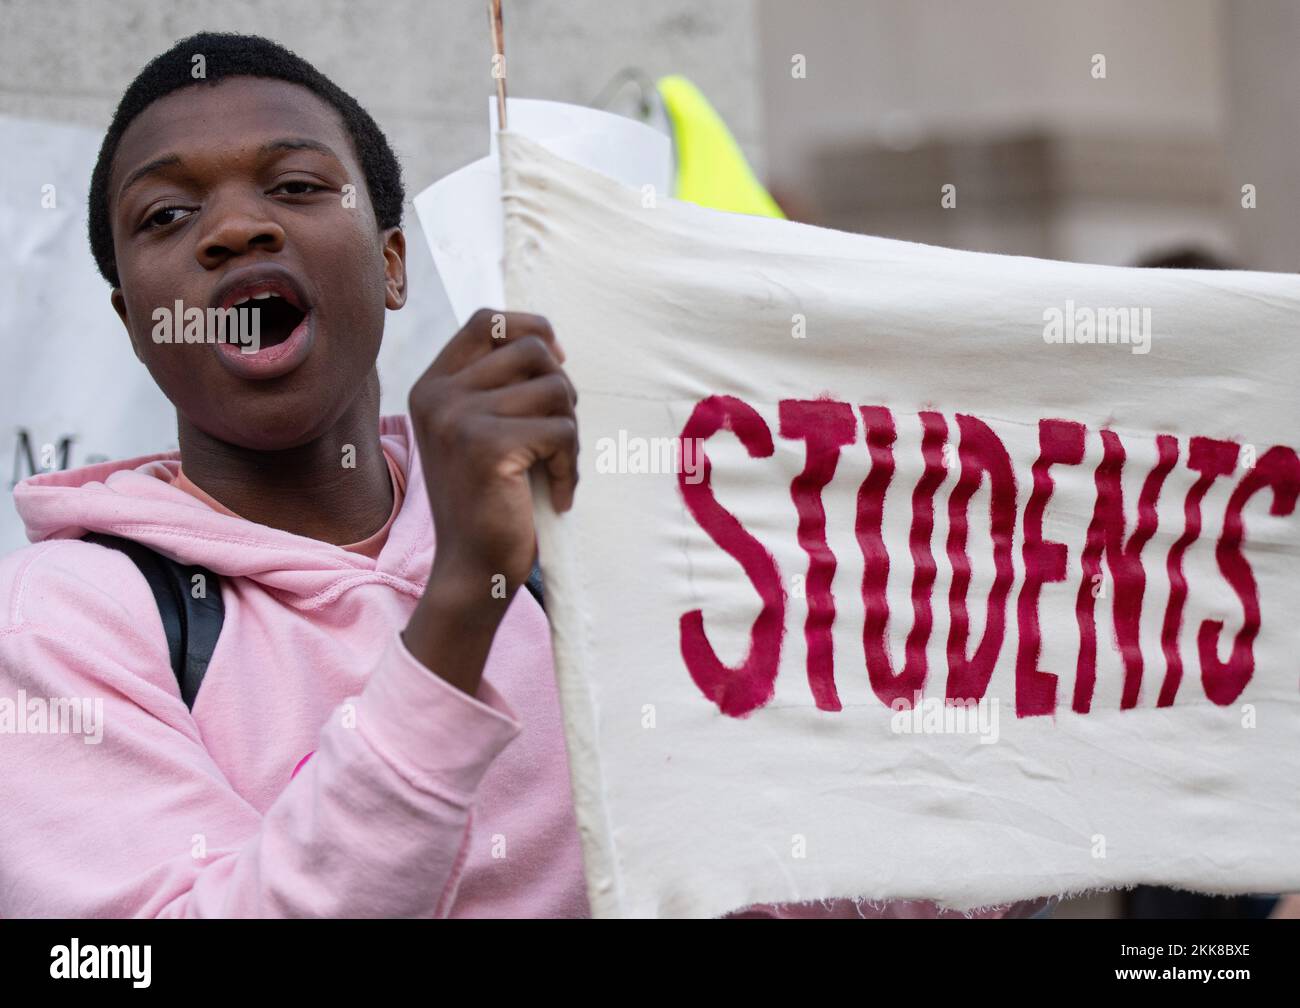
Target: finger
[(488, 330), (562, 468), (547, 395), (552, 442), (526, 358)]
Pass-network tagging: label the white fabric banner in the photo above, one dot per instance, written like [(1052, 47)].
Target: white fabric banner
[(903, 572)]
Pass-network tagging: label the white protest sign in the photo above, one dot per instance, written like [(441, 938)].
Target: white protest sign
[(903, 572)]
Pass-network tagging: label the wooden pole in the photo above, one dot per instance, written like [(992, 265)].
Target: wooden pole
[(498, 59)]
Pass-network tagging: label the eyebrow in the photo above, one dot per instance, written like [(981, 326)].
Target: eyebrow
[(282, 144)]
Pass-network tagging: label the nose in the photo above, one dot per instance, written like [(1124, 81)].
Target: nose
[(236, 224)]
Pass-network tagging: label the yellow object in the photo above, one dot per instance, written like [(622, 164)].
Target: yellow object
[(711, 170)]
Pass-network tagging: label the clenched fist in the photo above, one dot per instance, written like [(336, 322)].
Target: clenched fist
[(495, 403)]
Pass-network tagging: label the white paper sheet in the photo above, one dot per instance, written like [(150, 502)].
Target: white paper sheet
[(461, 213)]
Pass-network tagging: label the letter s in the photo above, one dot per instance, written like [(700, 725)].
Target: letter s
[(1279, 470), (737, 691)]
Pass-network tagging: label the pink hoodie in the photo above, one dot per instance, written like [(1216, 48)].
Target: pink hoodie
[(419, 800)]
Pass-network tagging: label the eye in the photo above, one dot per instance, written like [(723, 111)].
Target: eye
[(153, 221), (303, 187)]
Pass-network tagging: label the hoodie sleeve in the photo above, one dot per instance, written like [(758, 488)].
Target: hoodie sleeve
[(121, 812)]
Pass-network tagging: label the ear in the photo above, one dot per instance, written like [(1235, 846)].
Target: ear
[(394, 268), (119, 306)]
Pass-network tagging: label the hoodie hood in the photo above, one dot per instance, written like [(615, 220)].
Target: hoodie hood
[(133, 498)]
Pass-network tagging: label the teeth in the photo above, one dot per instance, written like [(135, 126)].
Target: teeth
[(256, 297)]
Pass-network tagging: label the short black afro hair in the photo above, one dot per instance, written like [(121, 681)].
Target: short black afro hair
[(231, 55)]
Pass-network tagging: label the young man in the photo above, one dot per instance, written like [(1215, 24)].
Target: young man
[(361, 558)]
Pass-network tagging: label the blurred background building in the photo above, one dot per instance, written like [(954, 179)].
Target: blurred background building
[(1093, 132)]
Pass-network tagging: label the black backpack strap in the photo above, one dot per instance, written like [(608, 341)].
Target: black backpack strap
[(534, 585), (192, 625)]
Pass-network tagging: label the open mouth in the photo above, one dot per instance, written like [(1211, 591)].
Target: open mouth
[(275, 321), (270, 316)]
